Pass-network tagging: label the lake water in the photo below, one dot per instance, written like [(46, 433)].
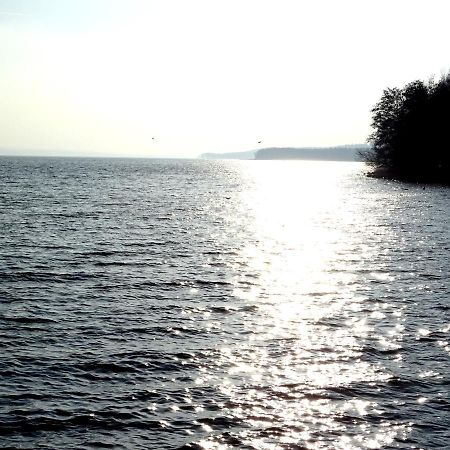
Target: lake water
[(188, 304)]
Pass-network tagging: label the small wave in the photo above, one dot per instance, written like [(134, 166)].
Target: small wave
[(28, 319), (220, 253), (164, 218), (221, 421), (98, 420), (213, 283), (101, 444), (433, 276), (104, 253), (149, 244), (53, 277), (161, 284), (249, 308), (349, 419), (177, 330), (111, 367), (116, 263), (145, 396), (246, 283), (163, 364), (380, 351), (26, 396), (404, 384), (222, 309), (330, 322), (184, 355)]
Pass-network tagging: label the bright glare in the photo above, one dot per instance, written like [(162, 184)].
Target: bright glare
[(178, 78), (307, 338)]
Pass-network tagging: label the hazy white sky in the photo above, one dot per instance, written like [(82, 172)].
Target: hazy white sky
[(182, 77)]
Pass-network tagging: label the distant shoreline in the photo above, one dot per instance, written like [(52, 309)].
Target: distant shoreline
[(336, 153)]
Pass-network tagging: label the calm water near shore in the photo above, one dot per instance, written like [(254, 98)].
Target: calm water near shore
[(176, 304)]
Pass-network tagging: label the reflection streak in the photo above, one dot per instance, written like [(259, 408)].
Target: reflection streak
[(295, 374)]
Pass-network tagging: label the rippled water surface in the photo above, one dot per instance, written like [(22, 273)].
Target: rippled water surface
[(157, 304)]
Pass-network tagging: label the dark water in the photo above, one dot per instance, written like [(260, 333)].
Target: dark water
[(156, 304)]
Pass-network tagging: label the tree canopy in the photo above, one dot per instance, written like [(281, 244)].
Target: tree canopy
[(411, 137)]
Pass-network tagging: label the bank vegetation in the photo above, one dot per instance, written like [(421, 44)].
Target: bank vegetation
[(411, 137)]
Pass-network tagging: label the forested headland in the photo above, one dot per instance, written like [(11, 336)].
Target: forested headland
[(350, 152), (336, 153), (411, 137)]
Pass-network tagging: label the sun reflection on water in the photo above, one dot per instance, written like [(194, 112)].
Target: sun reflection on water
[(300, 374)]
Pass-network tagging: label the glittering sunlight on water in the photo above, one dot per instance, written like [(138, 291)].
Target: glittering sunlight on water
[(193, 305), (292, 376)]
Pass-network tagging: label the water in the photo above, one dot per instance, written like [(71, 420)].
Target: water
[(157, 304)]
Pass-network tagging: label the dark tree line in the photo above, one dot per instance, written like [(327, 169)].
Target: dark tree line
[(411, 138)]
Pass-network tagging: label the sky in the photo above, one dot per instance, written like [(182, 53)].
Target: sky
[(176, 78)]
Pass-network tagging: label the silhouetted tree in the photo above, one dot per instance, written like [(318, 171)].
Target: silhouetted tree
[(411, 137)]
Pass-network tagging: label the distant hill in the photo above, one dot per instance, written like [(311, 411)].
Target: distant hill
[(233, 155), (338, 153)]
